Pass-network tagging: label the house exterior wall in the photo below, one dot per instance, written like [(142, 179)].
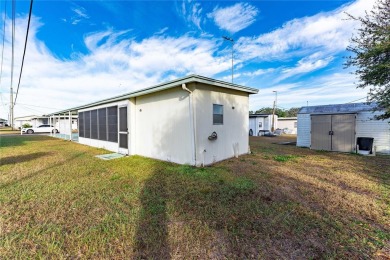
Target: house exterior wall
[(254, 123), (303, 130), (233, 136), (163, 126), (289, 124), (378, 129), (64, 126)]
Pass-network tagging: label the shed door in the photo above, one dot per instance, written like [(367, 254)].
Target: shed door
[(321, 126), (123, 131), (343, 127)]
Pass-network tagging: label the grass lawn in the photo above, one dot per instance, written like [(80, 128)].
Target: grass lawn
[(8, 130), (58, 201)]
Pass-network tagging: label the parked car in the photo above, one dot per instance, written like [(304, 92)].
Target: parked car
[(40, 129), (266, 133)]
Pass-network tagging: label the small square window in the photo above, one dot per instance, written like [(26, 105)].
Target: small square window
[(217, 114)]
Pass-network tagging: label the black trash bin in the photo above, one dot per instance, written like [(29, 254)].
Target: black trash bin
[(365, 143)]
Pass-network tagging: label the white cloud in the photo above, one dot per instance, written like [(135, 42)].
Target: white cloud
[(329, 32), (234, 18), (80, 14), (192, 13), (305, 65), (114, 59), (329, 89)]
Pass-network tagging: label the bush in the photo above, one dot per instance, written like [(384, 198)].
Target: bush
[(26, 125)]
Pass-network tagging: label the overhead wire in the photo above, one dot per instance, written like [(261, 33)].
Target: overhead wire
[(356, 100), (24, 51), (2, 51)]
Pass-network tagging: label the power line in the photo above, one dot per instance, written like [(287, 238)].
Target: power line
[(2, 52), (356, 100), (24, 51)]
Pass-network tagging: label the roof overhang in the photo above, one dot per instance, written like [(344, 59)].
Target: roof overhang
[(164, 86)]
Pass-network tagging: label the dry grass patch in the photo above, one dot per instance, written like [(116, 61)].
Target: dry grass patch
[(58, 201)]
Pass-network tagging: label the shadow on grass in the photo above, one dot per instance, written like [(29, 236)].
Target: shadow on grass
[(36, 173), (8, 141), (22, 158), (152, 234)]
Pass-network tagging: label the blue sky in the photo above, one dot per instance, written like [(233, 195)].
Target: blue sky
[(83, 51)]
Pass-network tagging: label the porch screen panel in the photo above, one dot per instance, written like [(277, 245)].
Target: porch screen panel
[(87, 124), (102, 115), (112, 113), (94, 124), (81, 124)]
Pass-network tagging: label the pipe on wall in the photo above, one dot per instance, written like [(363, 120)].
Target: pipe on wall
[(192, 121)]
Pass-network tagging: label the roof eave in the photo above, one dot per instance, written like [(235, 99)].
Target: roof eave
[(164, 86)]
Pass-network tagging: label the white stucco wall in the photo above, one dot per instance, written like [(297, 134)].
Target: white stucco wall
[(366, 126), (163, 126), (234, 131), (303, 131), (288, 123)]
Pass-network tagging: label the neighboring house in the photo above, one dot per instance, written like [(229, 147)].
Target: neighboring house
[(3, 122), (33, 120), (193, 120), (288, 124), (61, 122), (338, 127), (261, 122)]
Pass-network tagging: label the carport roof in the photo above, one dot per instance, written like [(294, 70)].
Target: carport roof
[(164, 86), (338, 108)]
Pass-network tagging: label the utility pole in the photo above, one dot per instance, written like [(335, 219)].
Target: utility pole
[(11, 102), (232, 42), (274, 110)]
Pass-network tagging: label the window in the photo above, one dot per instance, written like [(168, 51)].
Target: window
[(81, 124), (295, 124), (101, 124), (102, 115), (112, 119), (260, 124), (217, 114), (94, 124), (87, 124)]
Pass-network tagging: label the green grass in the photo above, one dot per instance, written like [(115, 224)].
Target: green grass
[(58, 201)]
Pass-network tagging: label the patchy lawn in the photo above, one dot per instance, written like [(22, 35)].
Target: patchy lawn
[(8, 130), (58, 201)]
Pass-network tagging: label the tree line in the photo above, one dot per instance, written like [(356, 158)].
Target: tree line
[(292, 112)]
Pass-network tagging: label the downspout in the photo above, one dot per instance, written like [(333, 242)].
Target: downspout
[(192, 121)]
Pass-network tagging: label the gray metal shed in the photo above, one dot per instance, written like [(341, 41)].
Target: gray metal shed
[(337, 127)]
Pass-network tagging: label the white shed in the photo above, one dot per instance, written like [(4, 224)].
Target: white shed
[(288, 124), (261, 122), (338, 127), (193, 120)]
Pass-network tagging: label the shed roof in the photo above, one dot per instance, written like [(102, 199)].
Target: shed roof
[(260, 115), (287, 118), (164, 86), (338, 108)]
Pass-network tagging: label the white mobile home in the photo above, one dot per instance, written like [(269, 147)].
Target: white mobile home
[(261, 122), (33, 120), (193, 120), (338, 127), (289, 125)]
